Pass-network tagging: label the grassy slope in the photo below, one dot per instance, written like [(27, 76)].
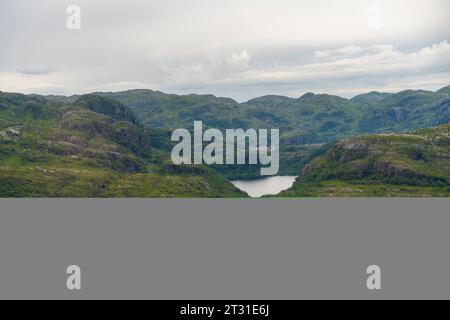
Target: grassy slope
[(51, 150), (308, 120), (413, 164), (94, 146)]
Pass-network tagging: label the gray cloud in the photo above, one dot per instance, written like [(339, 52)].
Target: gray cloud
[(232, 48), (34, 70)]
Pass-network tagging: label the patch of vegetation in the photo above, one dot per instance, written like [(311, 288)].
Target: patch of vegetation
[(92, 148), (410, 164)]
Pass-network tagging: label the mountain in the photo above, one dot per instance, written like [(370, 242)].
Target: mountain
[(406, 110), (408, 164), (271, 101), (118, 143), (371, 97), (160, 110), (106, 106), (94, 147), (445, 90), (310, 119)]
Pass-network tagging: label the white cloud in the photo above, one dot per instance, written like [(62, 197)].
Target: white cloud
[(347, 52), (240, 60), (352, 66)]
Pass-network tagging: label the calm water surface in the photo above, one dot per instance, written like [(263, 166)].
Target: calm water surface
[(265, 186)]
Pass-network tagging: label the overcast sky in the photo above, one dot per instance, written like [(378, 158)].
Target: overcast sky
[(234, 48)]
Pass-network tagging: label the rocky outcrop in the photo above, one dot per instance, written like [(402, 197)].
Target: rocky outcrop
[(415, 158), (106, 106), (85, 121)]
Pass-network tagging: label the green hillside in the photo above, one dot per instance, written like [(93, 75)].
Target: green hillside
[(406, 110), (445, 90), (371, 97), (304, 122), (409, 164), (118, 144), (92, 148), (310, 119)]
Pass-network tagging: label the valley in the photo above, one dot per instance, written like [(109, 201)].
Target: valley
[(118, 144)]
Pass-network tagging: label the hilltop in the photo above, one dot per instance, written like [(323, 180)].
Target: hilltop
[(409, 164), (93, 147), (117, 144)]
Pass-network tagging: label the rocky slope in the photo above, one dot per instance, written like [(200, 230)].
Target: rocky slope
[(118, 144), (93, 147), (310, 119), (409, 164)]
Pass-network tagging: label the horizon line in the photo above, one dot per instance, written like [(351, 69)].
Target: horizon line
[(221, 97)]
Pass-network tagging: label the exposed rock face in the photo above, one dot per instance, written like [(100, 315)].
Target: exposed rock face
[(349, 151), (117, 144), (11, 133), (418, 157), (82, 120), (106, 106), (444, 112), (131, 136), (72, 144), (399, 114), (95, 125)]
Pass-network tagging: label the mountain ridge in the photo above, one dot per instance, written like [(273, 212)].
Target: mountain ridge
[(126, 135), (444, 89), (92, 148)]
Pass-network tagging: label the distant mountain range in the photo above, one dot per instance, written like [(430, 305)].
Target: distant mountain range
[(312, 118), (118, 144)]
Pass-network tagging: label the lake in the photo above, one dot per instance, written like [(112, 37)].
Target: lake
[(265, 186)]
